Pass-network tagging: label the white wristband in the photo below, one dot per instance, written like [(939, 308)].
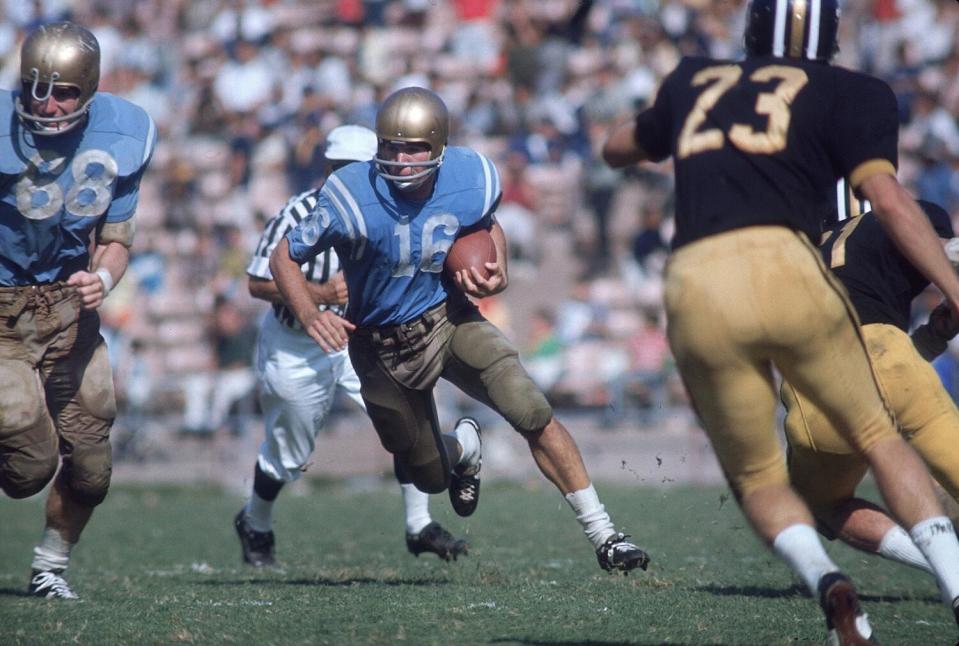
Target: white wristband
[(107, 279)]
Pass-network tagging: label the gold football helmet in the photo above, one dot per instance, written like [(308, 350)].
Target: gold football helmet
[(413, 114), (61, 54)]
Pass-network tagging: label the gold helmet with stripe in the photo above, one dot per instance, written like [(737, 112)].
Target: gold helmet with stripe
[(412, 114), (57, 55)]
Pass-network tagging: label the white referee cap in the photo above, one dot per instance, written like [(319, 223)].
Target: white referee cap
[(351, 142)]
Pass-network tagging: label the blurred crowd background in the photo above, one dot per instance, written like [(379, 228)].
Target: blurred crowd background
[(243, 93)]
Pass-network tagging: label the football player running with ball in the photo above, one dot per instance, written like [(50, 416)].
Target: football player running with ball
[(758, 146), (298, 379), (391, 222), (71, 160)]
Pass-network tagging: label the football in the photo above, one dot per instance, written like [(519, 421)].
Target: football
[(472, 250)]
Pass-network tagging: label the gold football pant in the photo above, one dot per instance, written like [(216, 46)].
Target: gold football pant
[(56, 394), (742, 302), (822, 465)]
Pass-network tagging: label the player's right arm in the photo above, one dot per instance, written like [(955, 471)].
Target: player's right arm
[(645, 136), (328, 329), (332, 292)]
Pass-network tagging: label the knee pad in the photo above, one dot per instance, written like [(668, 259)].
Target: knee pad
[(23, 477), (518, 398), (29, 444), (86, 472), (96, 395)]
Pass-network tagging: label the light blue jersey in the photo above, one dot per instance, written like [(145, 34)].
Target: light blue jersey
[(56, 190), (391, 249)]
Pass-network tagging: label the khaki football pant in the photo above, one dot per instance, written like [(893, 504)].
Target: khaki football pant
[(56, 394), (399, 366), (826, 470), (746, 301)]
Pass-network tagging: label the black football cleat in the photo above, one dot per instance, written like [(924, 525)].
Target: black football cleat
[(50, 584), (433, 538), (619, 554), (257, 546), (465, 482), (847, 624)]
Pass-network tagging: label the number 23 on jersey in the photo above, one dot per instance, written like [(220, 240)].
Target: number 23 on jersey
[(775, 105)]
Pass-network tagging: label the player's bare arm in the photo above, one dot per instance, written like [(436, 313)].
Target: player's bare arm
[(329, 330), (108, 266), (904, 222), (621, 149), (473, 283), (332, 292)]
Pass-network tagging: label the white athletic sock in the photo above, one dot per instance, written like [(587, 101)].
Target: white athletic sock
[(800, 547), (465, 433), (53, 553), (896, 545), (259, 513), (936, 538), (416, 505), (591, 515)]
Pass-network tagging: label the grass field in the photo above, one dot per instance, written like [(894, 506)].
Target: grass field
[(162, 566)]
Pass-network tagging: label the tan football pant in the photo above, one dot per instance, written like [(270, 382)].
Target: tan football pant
[(822, 465), (742, 302), (56, 394)]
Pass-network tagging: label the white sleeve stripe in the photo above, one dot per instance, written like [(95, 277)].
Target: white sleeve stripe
[(341, 188), (340, 211), (779, 34), (812, 50), (148, 147), (487, 184)]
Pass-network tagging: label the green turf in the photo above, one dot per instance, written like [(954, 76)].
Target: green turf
[(162, 566)]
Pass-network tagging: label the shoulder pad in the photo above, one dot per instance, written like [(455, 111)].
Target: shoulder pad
[(122, 128), (10, 162)]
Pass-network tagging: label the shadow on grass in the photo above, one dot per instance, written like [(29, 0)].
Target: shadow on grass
[(799, 591), (13, 592), (591, 642), (325, 582)]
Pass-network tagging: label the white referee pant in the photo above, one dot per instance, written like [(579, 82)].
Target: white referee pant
[(298, 382)]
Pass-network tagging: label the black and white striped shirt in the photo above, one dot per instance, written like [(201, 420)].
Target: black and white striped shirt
[(317, 270)]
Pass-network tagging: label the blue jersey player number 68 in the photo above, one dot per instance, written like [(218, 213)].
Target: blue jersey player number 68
[(89, 194)]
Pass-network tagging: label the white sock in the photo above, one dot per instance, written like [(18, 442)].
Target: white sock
[(416, 505), (591, 515), (53, 553), (800, 547), (936, 538), (259, 513), (897, 546), (465, 433)]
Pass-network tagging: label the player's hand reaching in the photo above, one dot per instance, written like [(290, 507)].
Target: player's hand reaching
[(335, 291), (476, 285), (328, 329), (943, 321), (90, 287)]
